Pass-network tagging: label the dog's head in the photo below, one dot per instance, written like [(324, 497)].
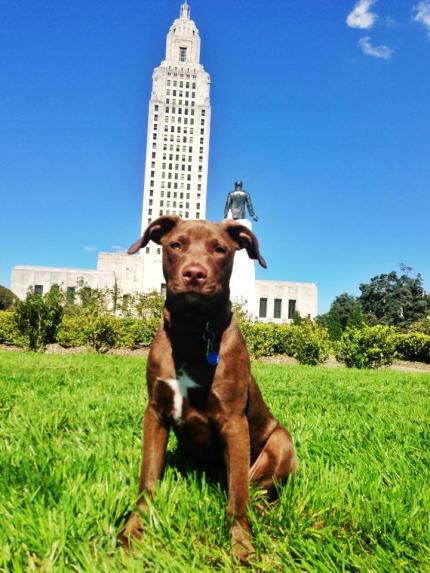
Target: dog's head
[(198, 255)]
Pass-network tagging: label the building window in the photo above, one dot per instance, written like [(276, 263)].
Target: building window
[(38, 289), (70, 294), (277, 308), (291, 308), (263, 308), (163, 290)]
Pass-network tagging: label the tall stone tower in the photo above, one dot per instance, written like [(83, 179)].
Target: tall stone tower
[(177, 148)]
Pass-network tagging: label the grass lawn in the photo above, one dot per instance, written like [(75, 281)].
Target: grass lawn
[(70, 447)]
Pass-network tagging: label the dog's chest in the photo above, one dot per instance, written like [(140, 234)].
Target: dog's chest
[(186, 394)]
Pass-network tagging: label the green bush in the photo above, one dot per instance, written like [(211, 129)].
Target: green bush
[(135, 333), (8, 330), (71, 332), (38, 317), (367, 347), (414, 346), (7, 298), (100, 331), (422, 325), (104, 331), (311, 343), (266, 339), (305, 341)]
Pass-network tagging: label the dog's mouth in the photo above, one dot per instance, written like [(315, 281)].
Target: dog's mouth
[(192, 297), (193, 291)]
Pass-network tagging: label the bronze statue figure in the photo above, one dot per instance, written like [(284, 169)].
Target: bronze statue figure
[(237, 200)]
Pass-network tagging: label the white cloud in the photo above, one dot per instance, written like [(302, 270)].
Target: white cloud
[(422, 14), (90, 248), (361, 17), (383, 52)]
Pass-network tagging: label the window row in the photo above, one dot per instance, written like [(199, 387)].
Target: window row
[(169, 194), (175, 93), (176, 148), (174, 213), (175, 72), (181, 84), (178, 102), (277, 308)]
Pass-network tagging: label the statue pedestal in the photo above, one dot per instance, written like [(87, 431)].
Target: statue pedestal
[(242, 282)]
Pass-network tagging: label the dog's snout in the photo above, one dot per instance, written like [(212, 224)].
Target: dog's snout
[(194, 275)]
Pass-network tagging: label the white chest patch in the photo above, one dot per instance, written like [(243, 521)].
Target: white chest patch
[(180, 389)]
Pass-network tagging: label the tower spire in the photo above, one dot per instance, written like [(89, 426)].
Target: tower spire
[(185, 10)]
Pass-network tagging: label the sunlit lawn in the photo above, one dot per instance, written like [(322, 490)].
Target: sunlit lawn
[(70, 447)]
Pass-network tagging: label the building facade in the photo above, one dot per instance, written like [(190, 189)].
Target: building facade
[(279, 301), (175, 182), (177, 147)]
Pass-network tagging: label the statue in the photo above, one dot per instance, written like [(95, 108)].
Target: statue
[(236, 202)]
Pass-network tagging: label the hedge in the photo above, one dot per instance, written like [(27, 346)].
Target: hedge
[(104, 331), (306, 342), (8, 330), (414, 346), (367, 347)]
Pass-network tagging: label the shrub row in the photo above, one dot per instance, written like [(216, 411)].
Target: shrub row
[(9, 331), (99, 331), (366, 347), (414, 346), (306, 342), (104, 331)]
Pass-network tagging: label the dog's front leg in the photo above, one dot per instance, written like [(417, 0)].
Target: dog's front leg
[(155, 436), (235, 434)]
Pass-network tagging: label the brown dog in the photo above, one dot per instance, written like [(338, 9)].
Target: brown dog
[(199, 378)]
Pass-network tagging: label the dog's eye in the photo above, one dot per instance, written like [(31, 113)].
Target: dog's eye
[(221, 250), (175, 245)]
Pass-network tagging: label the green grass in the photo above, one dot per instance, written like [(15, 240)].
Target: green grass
[(70, 447)]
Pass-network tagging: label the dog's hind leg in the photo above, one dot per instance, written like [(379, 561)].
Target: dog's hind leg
[(276, 461)]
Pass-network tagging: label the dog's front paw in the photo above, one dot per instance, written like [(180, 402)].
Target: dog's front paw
[(241, 546), (132, 530)]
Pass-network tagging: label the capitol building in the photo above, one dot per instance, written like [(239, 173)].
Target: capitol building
[(176, 173)]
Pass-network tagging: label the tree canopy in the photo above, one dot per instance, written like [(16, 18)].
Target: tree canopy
[(394, 299), (7, 298)]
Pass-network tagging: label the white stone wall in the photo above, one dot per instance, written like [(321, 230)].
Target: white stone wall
[(305, 295), (127, 270), (25, 277)]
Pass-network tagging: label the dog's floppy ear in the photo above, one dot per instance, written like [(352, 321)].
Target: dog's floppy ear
[(245, 239), (154, 232)]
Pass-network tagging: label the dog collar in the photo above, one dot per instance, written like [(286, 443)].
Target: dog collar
[(212, 356)]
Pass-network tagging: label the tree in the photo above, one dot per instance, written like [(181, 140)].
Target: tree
[(343, 303), (334, 326), (7, 298), (337, 316), (149, 304), (395, 300), (355, 317), (38, 317)]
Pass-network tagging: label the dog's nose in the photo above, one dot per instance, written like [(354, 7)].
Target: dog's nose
[(194, 275)]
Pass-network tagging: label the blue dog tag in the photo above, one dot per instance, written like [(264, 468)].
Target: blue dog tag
[(213, 357)]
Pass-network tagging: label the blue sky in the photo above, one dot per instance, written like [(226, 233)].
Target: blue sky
[(327, 122)]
